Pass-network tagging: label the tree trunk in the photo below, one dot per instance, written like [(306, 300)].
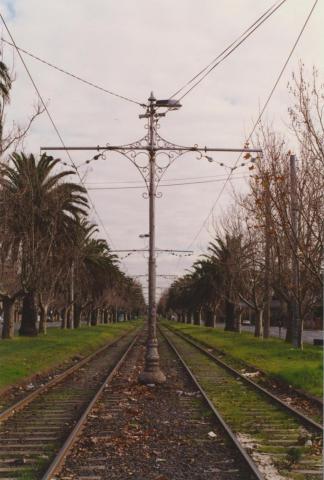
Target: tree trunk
[(94, 318), (258, 332), (229, 316), (64, 318), (69, 318), (289, 335), (197, 317), (209, 318), (8, 328), (16, 315), (42, 328), (77, 315), (115, 315), (267, 318), (239, 321), (300, 333), (28, 327)]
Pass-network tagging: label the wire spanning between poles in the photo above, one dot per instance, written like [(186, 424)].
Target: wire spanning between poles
[(230, 49), (257, 121), (54, 126), (72, 75), (162, 185), (176, 253)]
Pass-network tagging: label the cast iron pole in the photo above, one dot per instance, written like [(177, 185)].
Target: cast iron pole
[(152, 372)]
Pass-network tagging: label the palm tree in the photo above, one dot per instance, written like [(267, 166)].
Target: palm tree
[(5, 82), (95, 269), (38, 210), (227, 255), (5, 87), (208, 282)]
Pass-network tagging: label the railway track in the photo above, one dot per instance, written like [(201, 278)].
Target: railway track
[(306, 404), (33, 430), (154, 432), (281, 441), (173, 431)]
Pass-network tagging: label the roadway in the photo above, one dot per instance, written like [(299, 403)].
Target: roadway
[(308, 335)]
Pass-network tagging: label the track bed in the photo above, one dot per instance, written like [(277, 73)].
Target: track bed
[(163, 432)]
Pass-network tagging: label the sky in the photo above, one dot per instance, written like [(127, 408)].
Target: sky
[(133, 48)]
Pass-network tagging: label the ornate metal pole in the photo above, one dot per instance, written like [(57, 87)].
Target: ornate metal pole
[(153, 145), (152, 372)]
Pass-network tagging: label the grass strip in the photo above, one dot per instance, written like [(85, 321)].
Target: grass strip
[(23, 357), (302, 369)]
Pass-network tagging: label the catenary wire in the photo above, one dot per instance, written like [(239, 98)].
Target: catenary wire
[(231, 49), (167, 184), (76, 77), (223, 52), (54, 126), (258, 120), (166, 180)]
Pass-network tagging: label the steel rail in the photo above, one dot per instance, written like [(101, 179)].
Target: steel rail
[(69, 442), (246, 458), (303, 418), (59, 378)]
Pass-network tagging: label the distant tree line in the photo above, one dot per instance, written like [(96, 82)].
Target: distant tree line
[(249, 263), (52, 262)]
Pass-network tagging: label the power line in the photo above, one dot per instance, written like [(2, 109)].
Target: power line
[(258, 120), (54, 126), (166, 184), (76, 77), (230, 49), (222, 176)]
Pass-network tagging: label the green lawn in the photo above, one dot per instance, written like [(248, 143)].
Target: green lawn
[(25, 356), (301, 369)]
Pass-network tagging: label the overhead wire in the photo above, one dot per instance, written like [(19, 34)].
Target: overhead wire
[(223, 176), (167, 184), (230, 49), (73, 75), (55, 127), (258, 119)]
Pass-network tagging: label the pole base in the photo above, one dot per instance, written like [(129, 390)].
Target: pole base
[(155, 376)]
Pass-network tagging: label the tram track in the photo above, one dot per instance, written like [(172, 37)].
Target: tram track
[(304, 403), (33, 430), (154, 432), (206, 422), (280, 440)]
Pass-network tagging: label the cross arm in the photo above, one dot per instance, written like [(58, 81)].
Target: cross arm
[(99, 148)]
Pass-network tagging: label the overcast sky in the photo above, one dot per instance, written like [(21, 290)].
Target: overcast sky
[(132, 47)]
